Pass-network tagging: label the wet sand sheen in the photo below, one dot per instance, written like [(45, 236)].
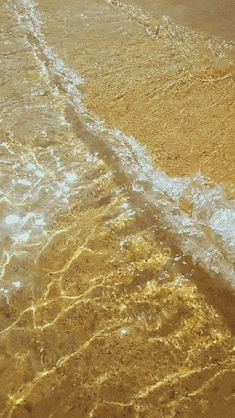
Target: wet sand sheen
[(173, 89), (214, 17), (116, 321)]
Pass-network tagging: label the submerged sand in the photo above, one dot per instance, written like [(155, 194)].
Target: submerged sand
[(102, 315), (170, 87)]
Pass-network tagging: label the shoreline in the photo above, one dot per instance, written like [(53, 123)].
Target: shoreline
[(174, 94), (106, 316)]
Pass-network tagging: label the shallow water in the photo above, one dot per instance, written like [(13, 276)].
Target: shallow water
[(215, 17), (107, 307)]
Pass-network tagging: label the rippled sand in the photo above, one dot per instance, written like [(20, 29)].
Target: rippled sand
[(102, 314), (171, 88)]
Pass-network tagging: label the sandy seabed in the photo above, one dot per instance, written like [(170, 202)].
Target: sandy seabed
[(102, 315)]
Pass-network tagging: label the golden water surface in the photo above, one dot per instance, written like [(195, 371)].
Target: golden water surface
[(102, 315)]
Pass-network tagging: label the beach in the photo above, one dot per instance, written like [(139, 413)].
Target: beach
[(117, 209)]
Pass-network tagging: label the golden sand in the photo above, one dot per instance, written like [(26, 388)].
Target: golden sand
[(172, 88), (214, 17), (101, 314)]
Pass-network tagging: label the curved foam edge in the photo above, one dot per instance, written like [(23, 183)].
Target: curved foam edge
[(201, 216)]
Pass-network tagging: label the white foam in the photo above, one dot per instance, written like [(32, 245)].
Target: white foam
[(40, 222), (58, 193), (12, 219), (22, 237), (16, 284), (124, 331), (39, 173), (205, 233), (24, 182), (31, 166), (70, 176), (63, 187), (223, 223)]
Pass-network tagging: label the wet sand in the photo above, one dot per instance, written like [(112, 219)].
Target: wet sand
[(214, 17), (102, 314), (173, 89)]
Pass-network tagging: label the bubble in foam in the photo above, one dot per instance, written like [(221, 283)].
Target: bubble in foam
[(39, 173), (16, 284), (22, 237), (70, 176), (31, 166), (40, 222), (124, 331), (24, 182), (12, 219)]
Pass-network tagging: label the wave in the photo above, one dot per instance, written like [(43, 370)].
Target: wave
[(200, 216)]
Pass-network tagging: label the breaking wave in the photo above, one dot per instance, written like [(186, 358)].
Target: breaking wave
[(200, 216)]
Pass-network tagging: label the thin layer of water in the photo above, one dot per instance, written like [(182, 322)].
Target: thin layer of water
[(200, 216), (101, 313)]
